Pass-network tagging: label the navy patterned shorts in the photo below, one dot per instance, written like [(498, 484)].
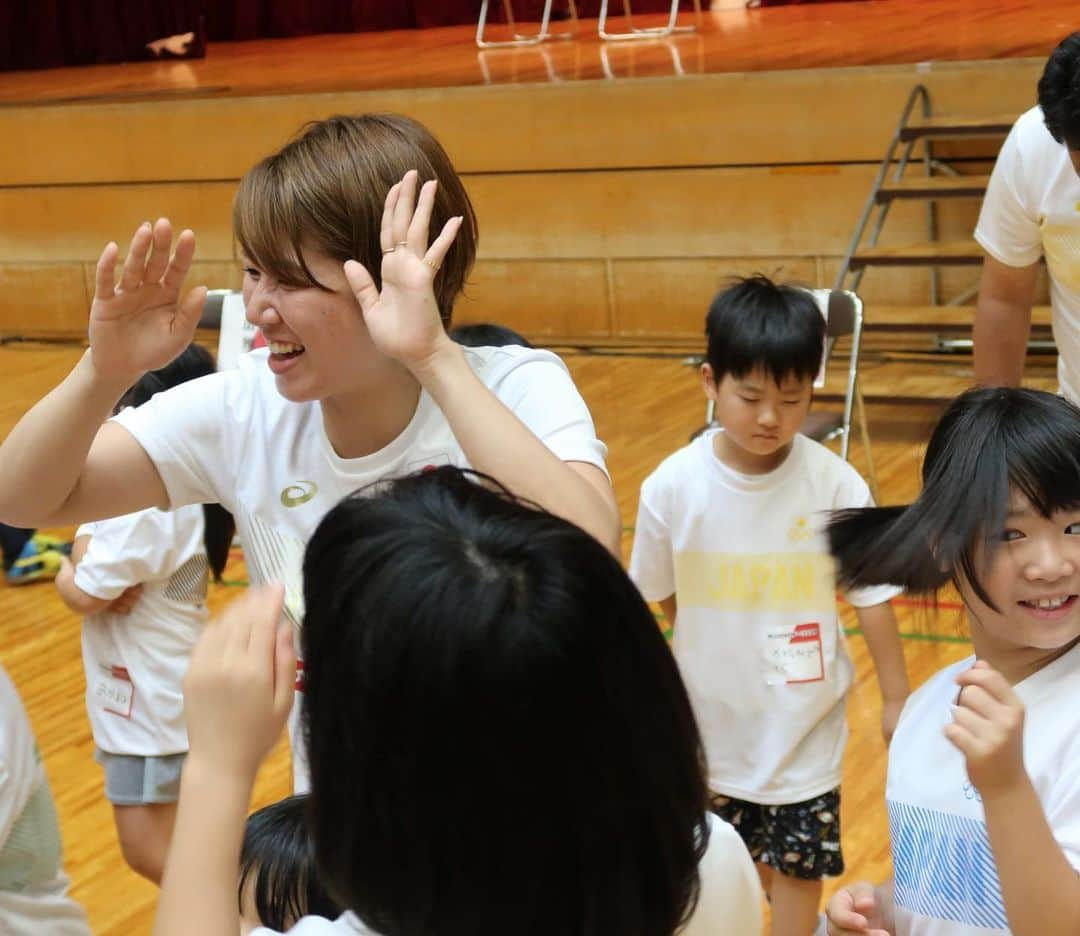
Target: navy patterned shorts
[(800, 840)]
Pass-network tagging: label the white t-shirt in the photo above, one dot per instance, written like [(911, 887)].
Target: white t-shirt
[(231, 438), (33, 887), (135, 663), (946, 881), (729, 903), (1032, 209), (757, 639)]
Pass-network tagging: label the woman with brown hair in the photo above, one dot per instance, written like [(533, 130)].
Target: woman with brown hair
[(360, 381)]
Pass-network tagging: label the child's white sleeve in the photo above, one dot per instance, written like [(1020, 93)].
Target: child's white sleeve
[(194, 434), (1063, 811), (128, 550), (652, 560), (1008, 228)]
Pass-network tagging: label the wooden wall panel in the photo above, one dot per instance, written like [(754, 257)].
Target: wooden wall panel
[(732, 119), (669, 298), (685, 181), (680, 213), (539, 297), (75, 222), (719, 221), (42, 297)]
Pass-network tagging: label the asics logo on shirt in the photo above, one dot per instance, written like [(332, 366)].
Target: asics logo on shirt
[(300, 493)]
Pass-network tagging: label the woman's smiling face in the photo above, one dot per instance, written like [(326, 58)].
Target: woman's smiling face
[(320, 348)]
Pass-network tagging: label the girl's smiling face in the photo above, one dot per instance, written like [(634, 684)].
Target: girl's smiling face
[(1032, 576)]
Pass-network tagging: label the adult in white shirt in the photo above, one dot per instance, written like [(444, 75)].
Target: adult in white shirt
[(360, 381), (499, 738), (1032, 211), (33, 888)]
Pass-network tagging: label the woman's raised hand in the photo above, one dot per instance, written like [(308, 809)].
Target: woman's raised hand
[(140, 324), (403, 319)]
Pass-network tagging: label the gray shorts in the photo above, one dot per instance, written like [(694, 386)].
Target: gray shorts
[(139, 781)]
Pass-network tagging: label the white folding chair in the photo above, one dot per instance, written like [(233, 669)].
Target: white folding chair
[(653, 32), (518, 38)]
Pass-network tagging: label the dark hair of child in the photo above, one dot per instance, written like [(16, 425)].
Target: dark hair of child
[(193, 362), (758, 324), (987, 443), (277, 863), (498, 736), (1059, 92), (487, 335)]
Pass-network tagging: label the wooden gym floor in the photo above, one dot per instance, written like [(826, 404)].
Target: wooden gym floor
[(644, 407)]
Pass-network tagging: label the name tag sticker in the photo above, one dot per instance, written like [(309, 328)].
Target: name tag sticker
[(793, 655), (114, 691)]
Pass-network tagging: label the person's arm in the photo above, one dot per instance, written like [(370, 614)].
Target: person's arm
[(1002, 322), (404, 324), (862, 908), (60, 465), (1039, 886), (878, 624), (237, 696), (82, 602), (497, 443)]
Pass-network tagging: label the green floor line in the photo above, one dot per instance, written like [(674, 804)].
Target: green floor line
[(908, 635)]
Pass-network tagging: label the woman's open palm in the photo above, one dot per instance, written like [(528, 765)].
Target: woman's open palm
[(140, 324), (403, 319)]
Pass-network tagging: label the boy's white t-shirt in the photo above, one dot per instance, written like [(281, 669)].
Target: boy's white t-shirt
[(729, 903), (33, 886), (946, 881), (1032, 209), (135, 663), (757, 640)]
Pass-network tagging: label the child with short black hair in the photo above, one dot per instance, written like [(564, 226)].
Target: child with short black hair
[(729, 542), (500, 742), (278, 880), (983, 787)]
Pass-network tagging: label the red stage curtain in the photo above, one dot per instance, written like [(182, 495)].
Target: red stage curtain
[(49, 33)]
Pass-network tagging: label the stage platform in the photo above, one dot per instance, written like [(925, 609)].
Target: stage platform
[(829, 35), (616, 184)]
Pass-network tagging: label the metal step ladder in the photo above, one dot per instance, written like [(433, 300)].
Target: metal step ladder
[(914, 169)]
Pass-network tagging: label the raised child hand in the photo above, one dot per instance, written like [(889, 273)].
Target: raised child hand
[(854, 910), (988, 729), (239, 687), (140, 324), (403, 320)]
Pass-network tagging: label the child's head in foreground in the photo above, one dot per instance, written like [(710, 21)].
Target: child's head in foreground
[(278, 883), (999, 515), (497, 732), (765, 345)]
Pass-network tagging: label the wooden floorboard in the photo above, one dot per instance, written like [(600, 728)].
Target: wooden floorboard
[(875, 32), (644, 407)]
